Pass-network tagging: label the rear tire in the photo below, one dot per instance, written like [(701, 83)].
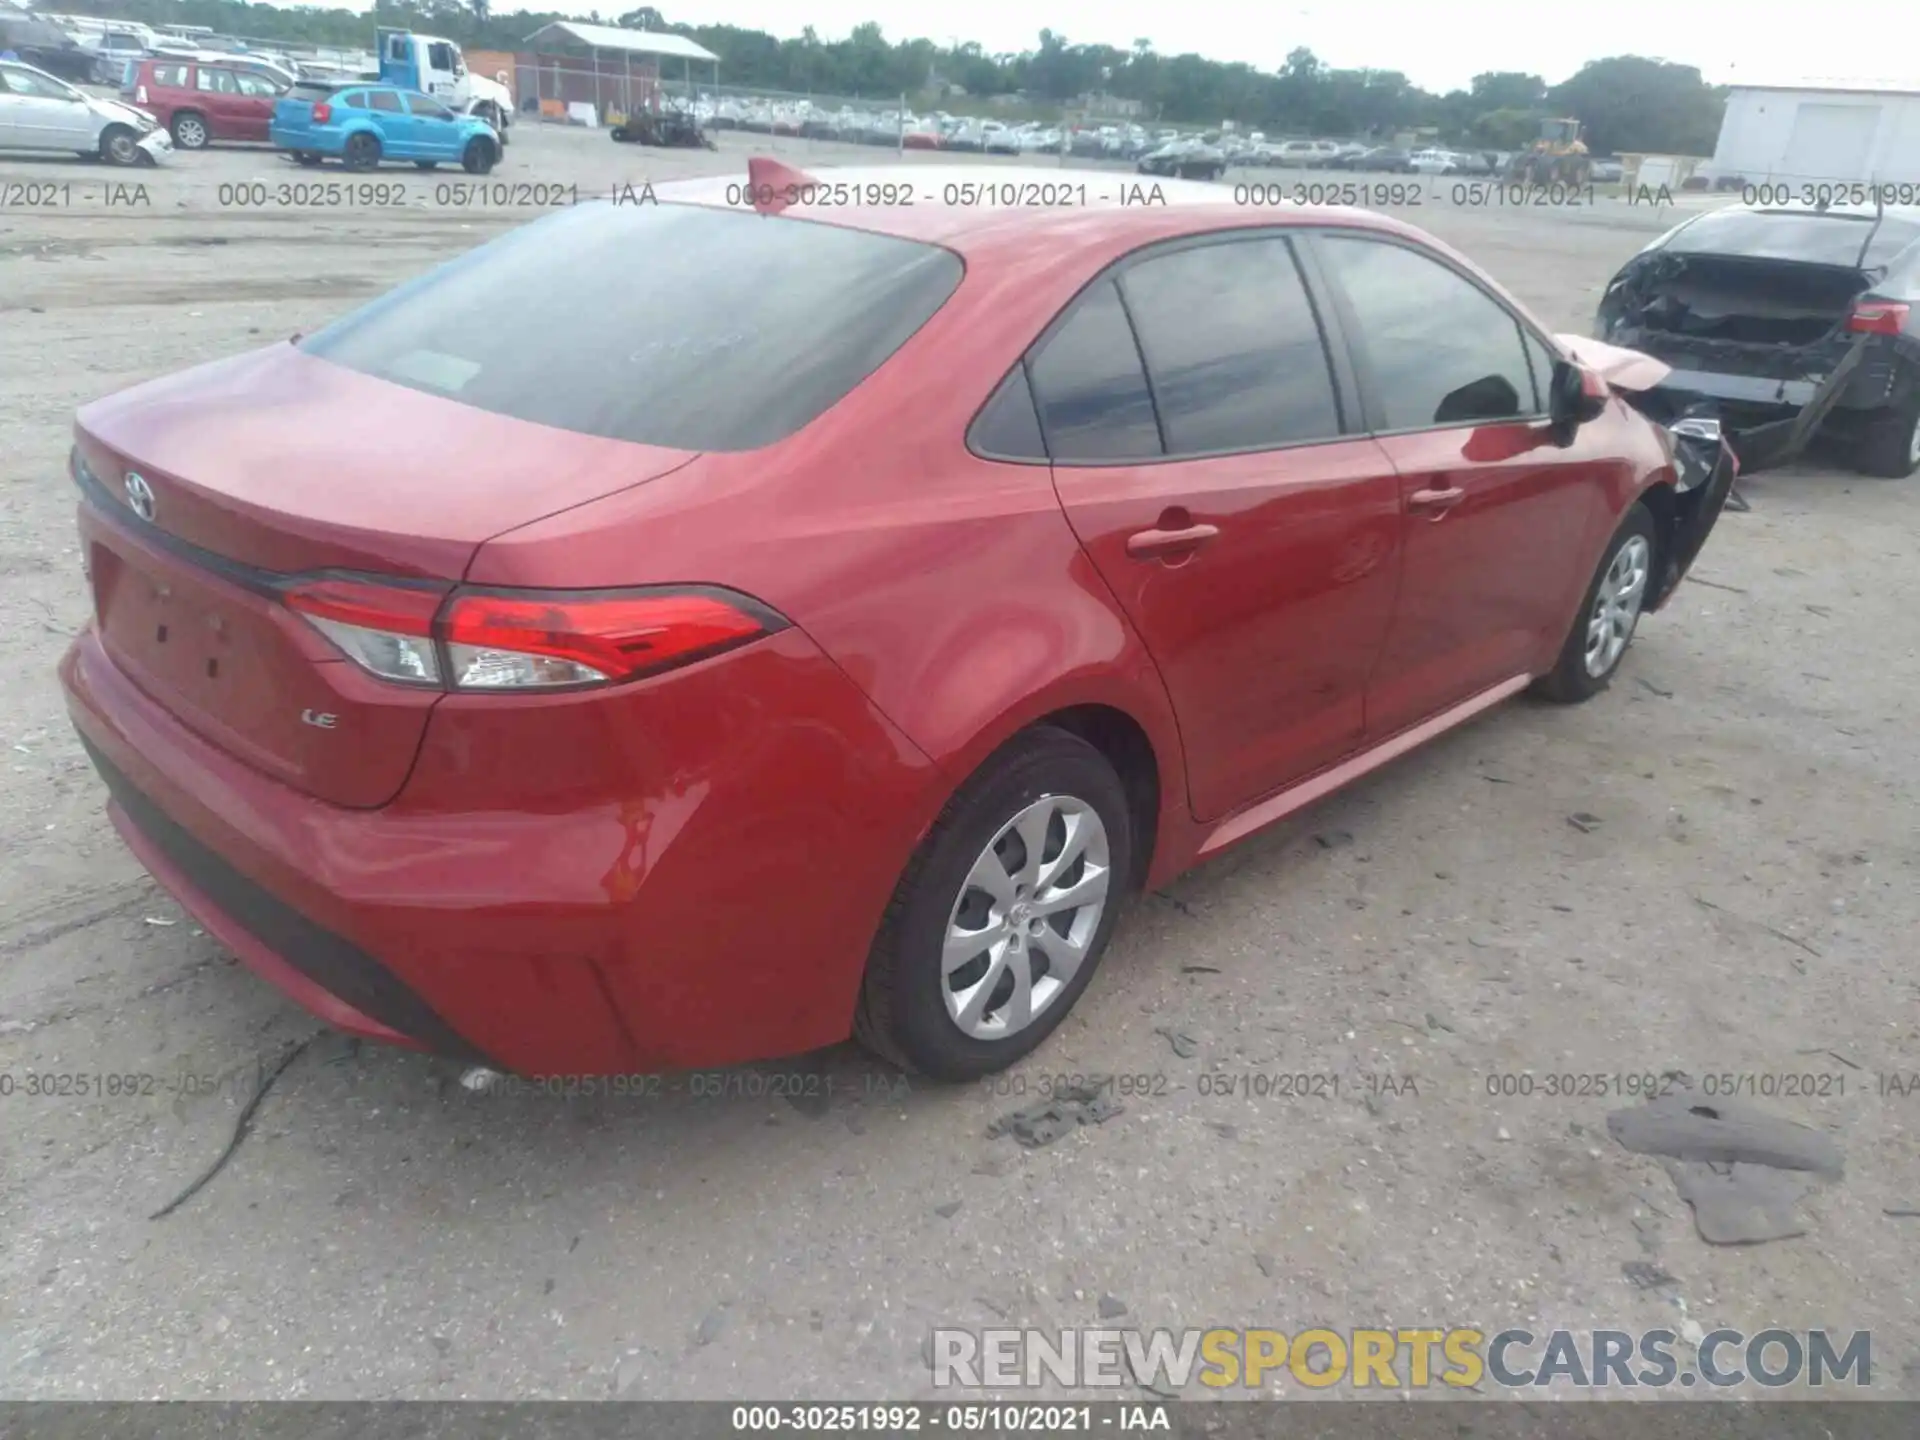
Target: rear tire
[(189, 130), (478, 157), (362, 152), (914, 998), (1608, 615), (1889, 443)]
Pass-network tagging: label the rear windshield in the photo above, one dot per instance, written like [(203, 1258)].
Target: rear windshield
[(1805, 236), (674, 325)]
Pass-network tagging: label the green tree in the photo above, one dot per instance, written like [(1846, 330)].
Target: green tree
[(1629, 103)]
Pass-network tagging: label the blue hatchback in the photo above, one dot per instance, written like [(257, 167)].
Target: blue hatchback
[(362, 125)]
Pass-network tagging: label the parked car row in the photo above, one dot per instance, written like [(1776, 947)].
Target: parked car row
[(189, 104)]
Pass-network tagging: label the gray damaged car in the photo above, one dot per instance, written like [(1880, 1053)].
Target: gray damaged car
[(1785, 323)]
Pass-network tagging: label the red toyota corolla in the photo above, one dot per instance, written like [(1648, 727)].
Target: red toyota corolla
[(675, 635)]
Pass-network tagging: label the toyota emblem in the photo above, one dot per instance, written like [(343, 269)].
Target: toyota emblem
[(140, 495)]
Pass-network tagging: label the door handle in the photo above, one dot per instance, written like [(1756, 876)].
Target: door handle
[(1439, 501), (1160, 544)]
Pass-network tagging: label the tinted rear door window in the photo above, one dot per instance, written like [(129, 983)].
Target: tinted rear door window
[(1441, 350), (674, 325), (383, 100), (1233, 348), (1091, 388)]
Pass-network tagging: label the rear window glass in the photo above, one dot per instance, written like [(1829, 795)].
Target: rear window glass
[(174, 75), (1808, 237), (673, 325)]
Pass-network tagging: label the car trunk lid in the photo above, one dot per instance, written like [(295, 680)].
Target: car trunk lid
[(207, 493), (1732, 310)]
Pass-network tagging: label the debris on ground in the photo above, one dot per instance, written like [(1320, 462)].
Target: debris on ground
[(1086, 1102), (1742, 1169), (240, 1127), (1583, 822), (1741, 1204), (1184, 1045), (1333, 839), (1683, 1126), (1647, 1277)]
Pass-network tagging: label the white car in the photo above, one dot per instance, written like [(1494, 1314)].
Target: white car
[(39, 112), (1303, 154), (1433, 162)]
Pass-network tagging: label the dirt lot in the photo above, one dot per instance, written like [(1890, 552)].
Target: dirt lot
[(1739, 895)]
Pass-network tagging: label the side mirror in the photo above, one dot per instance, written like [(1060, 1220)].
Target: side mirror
[(1575, 396)]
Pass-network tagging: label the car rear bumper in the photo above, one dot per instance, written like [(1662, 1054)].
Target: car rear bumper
[(723, 918), (1761, 377)]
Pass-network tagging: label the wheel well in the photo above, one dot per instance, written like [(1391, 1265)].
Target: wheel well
[(1118, 736), (1662, 505)]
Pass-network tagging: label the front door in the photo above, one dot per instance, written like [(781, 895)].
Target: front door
[(1211, 474), (253, 110), (1497, 519)]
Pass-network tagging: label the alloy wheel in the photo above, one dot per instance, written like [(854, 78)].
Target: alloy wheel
[(1025, 917), (1616, 607), (189, 132)]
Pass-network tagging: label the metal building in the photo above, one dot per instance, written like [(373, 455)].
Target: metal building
[(619, 72), (1820, 133)]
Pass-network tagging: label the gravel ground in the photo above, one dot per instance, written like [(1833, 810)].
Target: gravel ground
[(1731, 899)]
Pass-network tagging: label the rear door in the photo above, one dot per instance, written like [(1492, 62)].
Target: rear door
[(1203, 456), (1497, 519)]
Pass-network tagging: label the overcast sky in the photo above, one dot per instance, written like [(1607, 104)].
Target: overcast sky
[(1439, 44)]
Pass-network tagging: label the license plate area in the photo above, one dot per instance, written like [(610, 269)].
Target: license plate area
[(171, 629)]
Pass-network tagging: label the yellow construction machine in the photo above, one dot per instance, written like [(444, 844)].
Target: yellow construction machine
[(1557, 157)]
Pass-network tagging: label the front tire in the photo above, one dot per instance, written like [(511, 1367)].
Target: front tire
[(1889, 443), (1608, 615), (478, 157), (1000, 919), (119, 146), (362, 152)]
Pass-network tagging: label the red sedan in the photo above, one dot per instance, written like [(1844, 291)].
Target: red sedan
[(816, 623)]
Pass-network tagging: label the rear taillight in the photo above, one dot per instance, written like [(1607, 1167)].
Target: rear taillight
[(525, 639), (385, 629), (140, 96), (322, 112), (1877, 317)]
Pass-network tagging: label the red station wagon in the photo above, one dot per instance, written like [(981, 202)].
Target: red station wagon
[(819, 621), (200, 102)]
